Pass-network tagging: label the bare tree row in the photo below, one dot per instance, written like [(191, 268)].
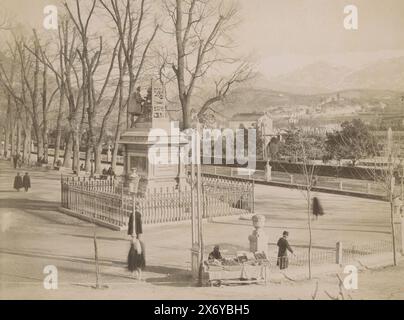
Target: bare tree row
[(70, 89)]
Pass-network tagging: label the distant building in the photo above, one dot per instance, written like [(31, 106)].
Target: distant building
[(262, 122), (259, 121)]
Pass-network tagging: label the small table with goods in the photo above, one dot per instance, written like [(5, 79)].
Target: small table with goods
[(244, 268)]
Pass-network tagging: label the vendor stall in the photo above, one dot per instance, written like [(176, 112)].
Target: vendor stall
[(244, 268)]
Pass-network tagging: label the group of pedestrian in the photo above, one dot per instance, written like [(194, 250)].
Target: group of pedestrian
[(22, 182)]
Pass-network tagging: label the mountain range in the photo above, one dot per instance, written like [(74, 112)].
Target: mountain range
[(322, 77)]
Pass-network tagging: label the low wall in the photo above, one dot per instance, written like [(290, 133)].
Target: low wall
[(320, 170)]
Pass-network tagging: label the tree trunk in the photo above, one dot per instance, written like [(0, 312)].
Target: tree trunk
[(45, 144), (6, 140), (186, 121), (59, 127), (28, 134), (114, 155), (76, 152), (44, 113), (98, 156), (8, 128), (309, 224), (39, 141), (68, 151), (393, 232), (56, 155), (87, 165), (25, 149), (13, 138), (19, 140)]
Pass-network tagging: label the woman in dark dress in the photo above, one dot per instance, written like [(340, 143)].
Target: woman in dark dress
[(18, 182), (136, 260), (317, 208)]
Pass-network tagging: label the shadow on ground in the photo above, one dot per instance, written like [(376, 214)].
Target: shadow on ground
[(28, 204), (174, 277)]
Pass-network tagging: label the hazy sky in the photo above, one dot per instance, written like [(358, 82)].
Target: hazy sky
[(287, 34)]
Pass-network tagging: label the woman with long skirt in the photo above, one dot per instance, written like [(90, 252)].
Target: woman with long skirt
[(136, 258)]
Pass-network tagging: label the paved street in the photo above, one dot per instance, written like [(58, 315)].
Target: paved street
[(33, 234)]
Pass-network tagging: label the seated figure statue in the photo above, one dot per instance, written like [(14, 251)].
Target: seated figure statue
[(135, 107)]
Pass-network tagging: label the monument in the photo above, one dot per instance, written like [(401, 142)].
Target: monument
[(144, 137), (258, 239)]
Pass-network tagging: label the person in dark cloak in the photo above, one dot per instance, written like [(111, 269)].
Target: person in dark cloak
[(284, 247), (18, 182), (135, 230), (135, 223), (317, 208), (136, 258), (26, 181), (215, 254), (15, 160)]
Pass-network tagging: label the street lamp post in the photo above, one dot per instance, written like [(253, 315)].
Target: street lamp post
[(199, 202), (402, 180), (197, 210)]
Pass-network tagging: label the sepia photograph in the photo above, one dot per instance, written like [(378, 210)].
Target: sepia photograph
[(215, 150)]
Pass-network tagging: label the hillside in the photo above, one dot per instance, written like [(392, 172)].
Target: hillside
[(322, 109)]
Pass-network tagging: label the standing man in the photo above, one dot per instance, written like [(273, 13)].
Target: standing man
[(26, 182), (284, 247)]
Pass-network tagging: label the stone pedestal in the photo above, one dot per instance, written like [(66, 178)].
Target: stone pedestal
[(153, 146), (258, 239), (155, 154)]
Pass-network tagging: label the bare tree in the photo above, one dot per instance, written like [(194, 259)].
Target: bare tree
[(305, 146), (382, 172), (10, 112), (201, 30), (135, 43), (29, 75), (223, 86)]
